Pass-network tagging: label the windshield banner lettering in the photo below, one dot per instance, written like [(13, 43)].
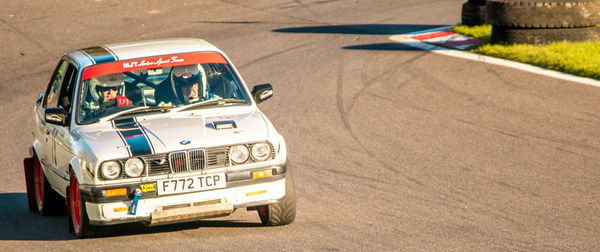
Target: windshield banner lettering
[(154, 62)]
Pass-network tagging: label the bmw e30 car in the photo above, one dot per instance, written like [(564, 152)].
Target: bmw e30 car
[(157, 132)]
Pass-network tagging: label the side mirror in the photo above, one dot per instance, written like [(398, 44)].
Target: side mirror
[(262, 92), (56, 116)]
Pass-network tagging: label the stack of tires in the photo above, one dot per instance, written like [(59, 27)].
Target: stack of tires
[(543, 21), (473, 12)]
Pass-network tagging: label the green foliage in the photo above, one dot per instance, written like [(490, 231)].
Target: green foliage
[(578, 58), (478, 31)]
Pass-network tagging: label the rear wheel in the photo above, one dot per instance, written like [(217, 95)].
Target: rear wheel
[(284, 212), (77, 211), (47, 200)]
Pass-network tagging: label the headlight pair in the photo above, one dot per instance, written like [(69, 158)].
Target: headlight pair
[(239, 154), (134, 167)]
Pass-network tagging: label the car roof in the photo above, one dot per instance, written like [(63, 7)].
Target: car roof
[(139, 49)]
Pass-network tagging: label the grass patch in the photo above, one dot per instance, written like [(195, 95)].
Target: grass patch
[(484, 32), (578, 58)]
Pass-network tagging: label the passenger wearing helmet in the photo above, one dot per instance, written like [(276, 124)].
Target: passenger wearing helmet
[(110, 89), (187, 85)]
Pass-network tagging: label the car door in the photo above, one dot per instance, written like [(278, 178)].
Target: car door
[(46, 137), (63, 140)]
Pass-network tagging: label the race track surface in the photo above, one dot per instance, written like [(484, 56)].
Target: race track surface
[(393, 148)]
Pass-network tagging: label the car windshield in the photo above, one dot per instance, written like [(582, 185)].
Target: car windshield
[(127, 88)]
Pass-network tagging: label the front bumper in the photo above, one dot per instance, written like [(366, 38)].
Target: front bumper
[(240, 191)]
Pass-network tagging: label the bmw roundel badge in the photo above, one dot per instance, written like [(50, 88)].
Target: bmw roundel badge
[(185, 142)]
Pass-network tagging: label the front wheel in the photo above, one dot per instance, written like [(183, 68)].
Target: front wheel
[(78, 218), (283, 212)]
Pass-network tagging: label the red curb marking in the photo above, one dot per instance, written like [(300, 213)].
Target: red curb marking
[(432, 35)]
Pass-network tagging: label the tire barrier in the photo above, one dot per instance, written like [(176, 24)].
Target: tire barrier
[(502, 35), (543, 14), (473, 13), (543, 21)]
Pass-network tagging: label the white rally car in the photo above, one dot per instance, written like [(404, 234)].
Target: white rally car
[(157, 132)]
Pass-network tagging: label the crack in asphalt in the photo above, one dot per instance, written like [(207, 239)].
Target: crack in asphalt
[(276, 53), (25, 36), (477, 101), (346, 124), (306, 7), (274, 13), (368, 82)]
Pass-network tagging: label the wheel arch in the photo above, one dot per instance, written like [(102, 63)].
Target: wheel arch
[(77, 168), (35, 148)]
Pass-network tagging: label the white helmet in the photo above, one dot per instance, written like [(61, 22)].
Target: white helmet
[(101, 83), (188, 75)]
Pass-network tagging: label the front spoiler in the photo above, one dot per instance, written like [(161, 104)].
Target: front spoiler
[(192, 212), (187, 207)]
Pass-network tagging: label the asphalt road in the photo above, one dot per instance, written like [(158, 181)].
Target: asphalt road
[(393, 148)]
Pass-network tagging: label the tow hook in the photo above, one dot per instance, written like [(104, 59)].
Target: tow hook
[(136, 198)]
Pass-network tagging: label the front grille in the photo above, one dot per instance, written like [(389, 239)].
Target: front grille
[(217, 157), (191, 160), (196, 160), (158, 164), (178, 161)]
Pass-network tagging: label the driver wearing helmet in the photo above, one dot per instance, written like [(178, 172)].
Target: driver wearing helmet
[(187, 85), (110, 89), (186, 80)]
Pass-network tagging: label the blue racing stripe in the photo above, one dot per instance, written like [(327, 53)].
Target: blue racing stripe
[(99, 54), (134, 136)]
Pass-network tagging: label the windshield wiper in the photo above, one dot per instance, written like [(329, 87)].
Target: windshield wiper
[(143, 109), (207, 102)]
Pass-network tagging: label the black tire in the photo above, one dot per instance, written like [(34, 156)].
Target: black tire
[(473, 14), (543, 13), (48, 201), (284, 212), (543, 36), (77, 212), (477, 2)]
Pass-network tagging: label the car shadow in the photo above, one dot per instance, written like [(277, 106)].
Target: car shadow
[(383, 47), (18, 223), (366, 29), (138, 228)]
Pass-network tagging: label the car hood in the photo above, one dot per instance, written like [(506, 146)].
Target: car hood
[(166, 133)]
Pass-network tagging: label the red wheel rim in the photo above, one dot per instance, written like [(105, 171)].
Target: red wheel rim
[(39, 182), (75, 203), (263, 211)]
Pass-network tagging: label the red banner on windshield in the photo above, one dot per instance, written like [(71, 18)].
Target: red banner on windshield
[(153, 63)]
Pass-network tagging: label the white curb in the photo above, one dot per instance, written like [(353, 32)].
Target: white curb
[(407, 39)]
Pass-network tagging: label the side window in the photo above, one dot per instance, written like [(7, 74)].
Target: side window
[(66, 96), (53, 90)]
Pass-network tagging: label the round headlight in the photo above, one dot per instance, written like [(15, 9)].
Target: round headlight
[(239, 154), (261, 151), (111, 170), (134, 167)]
